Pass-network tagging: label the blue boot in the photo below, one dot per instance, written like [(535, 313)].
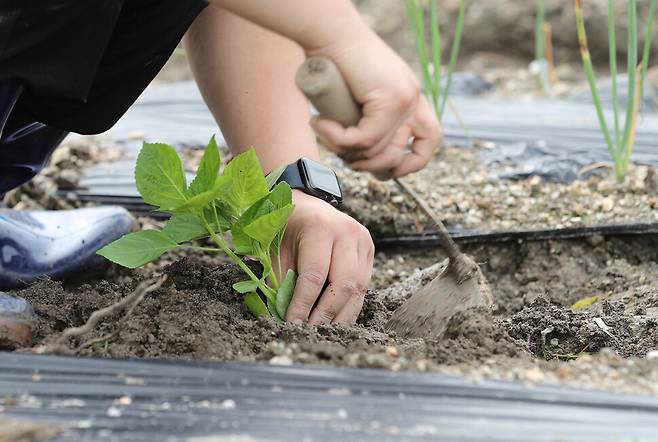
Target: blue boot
[(55, 243), (16, 314), (38, 243)]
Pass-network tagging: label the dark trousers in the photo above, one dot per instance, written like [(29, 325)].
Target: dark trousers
[(25, 145), (76, 65)]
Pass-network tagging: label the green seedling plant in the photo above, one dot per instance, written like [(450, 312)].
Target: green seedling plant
[(241, 201), (431, 60), (620, 142), (540, 46)]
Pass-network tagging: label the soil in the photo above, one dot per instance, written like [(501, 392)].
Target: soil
[(532, 333), (468, 195)]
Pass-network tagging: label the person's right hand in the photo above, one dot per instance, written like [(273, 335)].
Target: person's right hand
[(325, 245), (398, 132)]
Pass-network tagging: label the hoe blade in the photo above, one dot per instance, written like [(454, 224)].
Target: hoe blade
[(427, 312)]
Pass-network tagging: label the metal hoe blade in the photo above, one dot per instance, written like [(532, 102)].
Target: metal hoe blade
[(428, 311)]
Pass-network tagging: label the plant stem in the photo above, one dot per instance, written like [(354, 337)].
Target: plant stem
[(221, 242), (203, 249), (436, 46), (454, 52), (648, 34), (589, 70), (547, 31), (416, 16), (636, 108), (624, 150), (612, 48), (540, 46), (539, 41)]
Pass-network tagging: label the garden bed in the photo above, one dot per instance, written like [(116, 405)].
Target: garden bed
[(532, 334), (468, 195)]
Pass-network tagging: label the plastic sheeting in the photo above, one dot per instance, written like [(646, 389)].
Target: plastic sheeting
[(102, 400), (551, 138)]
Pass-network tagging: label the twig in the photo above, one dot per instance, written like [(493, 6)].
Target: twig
[(128, 303)]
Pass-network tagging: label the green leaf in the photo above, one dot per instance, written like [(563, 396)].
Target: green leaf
[(136, 249), (281, 195), (160, 177), (243, 243), (247, 183), (285, 292), (224, 214), (196, 202), (183, 227), (246, 286), (265, 228), (256, 305), (273, 176), (271, 306), (208, 171), (585, 302)]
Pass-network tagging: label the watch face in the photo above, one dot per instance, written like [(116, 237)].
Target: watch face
[(320, 177)]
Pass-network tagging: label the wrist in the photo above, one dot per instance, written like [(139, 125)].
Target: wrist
[(313, 179)]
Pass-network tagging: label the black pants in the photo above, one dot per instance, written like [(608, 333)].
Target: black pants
[(84, 62), (76, 65)]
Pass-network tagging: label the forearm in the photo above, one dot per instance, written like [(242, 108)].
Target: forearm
[(311, 23), (246, 75)]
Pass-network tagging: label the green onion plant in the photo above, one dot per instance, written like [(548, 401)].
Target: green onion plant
[(620, 141), (540, 47), (430, 55)]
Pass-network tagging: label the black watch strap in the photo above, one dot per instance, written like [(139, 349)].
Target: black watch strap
[(293, 176), (314, 179)]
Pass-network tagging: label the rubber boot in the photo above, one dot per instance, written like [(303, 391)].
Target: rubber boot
[(16, 318), (55, 243), (34, 244)]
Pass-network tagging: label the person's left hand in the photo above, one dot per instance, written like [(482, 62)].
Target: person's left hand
[(326, 245)]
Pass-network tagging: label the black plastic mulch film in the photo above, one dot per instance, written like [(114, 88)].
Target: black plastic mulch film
[(550, 138), (201, 402)]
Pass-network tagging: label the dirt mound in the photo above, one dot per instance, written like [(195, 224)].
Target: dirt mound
[(196, 315)]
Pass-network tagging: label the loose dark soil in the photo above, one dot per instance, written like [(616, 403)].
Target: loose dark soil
[(532, 333)]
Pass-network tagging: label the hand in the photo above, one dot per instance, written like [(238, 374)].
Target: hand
[(325, 245), (398, 132)]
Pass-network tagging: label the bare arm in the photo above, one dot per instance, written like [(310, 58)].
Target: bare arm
[(312, 24), (394, 110), (245, 74)]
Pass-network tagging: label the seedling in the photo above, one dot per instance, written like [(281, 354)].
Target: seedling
[(240, 201), (431, 69), (544, 48), (620, 143)]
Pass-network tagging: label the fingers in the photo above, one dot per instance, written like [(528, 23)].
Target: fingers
[(343, 285), (351, 269), (313, 262), (427, 135), (350, 311), (326, 245), (390, 157), (374, 132)]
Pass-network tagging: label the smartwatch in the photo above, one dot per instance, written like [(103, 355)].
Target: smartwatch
[(314, 179)]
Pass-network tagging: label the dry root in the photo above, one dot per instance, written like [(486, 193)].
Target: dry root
[(127, 304)]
